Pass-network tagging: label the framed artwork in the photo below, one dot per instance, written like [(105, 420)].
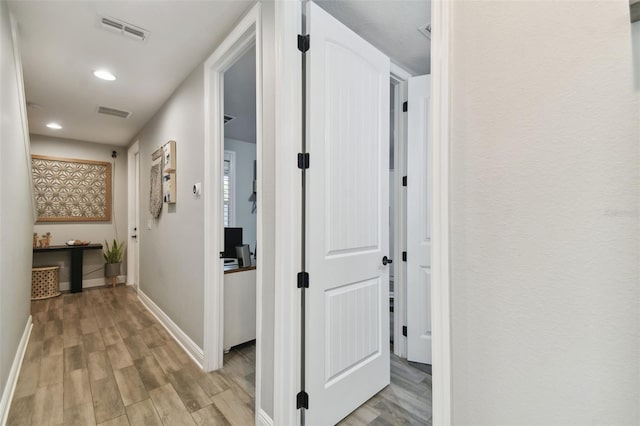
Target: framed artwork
[(71, 190)]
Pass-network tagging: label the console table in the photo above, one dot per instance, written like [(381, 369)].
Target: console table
[(76, 261)]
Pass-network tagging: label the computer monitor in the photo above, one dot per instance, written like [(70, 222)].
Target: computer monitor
[(232, 238)]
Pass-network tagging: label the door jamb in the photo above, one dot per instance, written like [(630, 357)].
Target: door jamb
[(288, 130), (399, 77), (245, 34), (440, 133), (131, 215)]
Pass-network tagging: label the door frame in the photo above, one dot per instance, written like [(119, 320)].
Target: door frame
[(440, 133), (133, 186), (244, 35), (399, 77), (288, 130)]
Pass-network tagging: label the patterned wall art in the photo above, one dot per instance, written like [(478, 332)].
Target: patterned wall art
[(71, 190)]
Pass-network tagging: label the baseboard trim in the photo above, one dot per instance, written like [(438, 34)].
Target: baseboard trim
[(195, 352), (12, 380), (93, 282), (264, 419)]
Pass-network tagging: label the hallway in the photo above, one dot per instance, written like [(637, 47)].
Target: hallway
[(99, 357)]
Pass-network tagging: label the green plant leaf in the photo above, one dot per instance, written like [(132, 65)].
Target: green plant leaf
[(113, 253)]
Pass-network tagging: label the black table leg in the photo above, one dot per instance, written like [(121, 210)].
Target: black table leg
[(76, 271)]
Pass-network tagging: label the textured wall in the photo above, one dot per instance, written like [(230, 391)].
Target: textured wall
[(545, 277), (96, 232), (16, 208)]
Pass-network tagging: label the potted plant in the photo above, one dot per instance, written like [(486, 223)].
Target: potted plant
[(113, 256)]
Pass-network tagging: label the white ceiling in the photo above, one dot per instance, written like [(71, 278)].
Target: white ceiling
[(62, 42), (390, 25)]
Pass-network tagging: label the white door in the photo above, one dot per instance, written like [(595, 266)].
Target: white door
[(347, 220), (418, 222), (133, 220), (136, 229)]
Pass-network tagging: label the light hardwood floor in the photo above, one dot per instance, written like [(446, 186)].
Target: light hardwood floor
[(99, 357), (406, 401)]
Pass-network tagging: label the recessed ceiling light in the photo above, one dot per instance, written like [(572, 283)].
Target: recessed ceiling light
[(54, 126), (104, 75)]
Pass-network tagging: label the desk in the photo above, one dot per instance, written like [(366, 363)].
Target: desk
[(239, 306), (76, 261)]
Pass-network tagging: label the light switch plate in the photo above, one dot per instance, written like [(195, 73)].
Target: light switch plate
[(149, 224)]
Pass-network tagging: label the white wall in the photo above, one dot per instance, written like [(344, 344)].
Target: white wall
[(245, 156), (171, 252), (545, 274), (16, 209), (96, 232)]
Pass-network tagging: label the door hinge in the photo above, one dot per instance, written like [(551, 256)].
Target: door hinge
[(303, 280), (404, 256), (303, 160), (302, 400), (404, 330), (405, 106), (303, 42), (404, 181)]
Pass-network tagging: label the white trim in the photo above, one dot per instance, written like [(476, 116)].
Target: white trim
[(288, 79), (264, 419), (23, 108), (131, 218), (12, 379), (398, 73), (400, 223), (235, 44), (247, 33), (439, 163), (190, 347), (94, 282)]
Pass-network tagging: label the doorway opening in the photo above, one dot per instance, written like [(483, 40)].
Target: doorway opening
[(408, 396), (232, 207), (133, 223), (239, 212)]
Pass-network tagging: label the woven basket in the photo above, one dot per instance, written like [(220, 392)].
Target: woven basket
[(44, 282)]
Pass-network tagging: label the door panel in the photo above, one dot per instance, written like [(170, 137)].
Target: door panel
[(418, 222), (347, 219), (136, 241)]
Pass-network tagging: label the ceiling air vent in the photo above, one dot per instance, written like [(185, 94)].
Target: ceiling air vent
[(124, 28), (114, 112), (112, 24), (425, 30), (227, 118)]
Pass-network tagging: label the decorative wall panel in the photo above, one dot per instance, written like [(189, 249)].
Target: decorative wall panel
[(358, 305), (71, 190), (352, 152)]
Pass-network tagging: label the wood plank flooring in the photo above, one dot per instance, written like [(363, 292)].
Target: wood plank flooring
[(406, 401), (100, 358)]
